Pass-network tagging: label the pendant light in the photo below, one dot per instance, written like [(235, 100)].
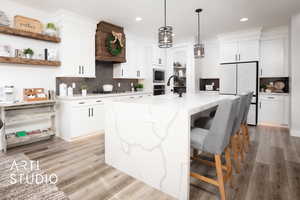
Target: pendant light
[(165, 35), (199, 48)]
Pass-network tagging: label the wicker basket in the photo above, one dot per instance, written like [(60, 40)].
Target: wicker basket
[(28, 24)]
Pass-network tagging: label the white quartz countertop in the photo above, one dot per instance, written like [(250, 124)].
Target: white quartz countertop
[(190, 102), (94, 96)]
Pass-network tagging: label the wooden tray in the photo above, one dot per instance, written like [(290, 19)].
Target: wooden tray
[(34, 91), (28, 24)]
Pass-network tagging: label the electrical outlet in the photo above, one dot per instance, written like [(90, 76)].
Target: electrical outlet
[(119, 84)]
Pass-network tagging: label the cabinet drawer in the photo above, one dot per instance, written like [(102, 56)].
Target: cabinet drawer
[(272, 98)]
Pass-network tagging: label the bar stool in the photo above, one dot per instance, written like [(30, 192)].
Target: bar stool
[(244, 126), (216, 141), (236, 141)]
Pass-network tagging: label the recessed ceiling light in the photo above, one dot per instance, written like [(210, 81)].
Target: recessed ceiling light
[(244, 19), (138, 19)]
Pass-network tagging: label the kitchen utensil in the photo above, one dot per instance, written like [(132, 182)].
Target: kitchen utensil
[(107, 88)]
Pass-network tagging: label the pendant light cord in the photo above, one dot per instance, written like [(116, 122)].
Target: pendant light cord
[(165, 13), (198, 27)]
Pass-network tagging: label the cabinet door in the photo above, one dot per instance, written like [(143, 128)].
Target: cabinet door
[(271, 110), (247, 80), (272, 58), (228, 82), (98, 118), (248, 50), (209, 64), (228, 52), (80, 121)]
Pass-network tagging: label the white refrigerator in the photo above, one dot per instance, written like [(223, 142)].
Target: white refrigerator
[(239, 78)]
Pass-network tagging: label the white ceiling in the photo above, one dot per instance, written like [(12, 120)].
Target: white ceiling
[(219, 16)]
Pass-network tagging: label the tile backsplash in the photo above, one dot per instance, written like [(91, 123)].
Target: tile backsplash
[(104, 75)]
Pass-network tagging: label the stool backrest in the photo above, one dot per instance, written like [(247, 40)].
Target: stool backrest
[(250, 96), (243, 102), (221, 128)]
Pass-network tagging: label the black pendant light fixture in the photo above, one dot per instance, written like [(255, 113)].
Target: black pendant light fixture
[(199, 48), (165, 33)]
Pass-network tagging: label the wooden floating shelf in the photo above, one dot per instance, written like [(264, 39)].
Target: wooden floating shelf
[(21, 33), (26, 61)]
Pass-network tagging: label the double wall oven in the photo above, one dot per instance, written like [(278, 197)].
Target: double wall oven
[(159, 81)]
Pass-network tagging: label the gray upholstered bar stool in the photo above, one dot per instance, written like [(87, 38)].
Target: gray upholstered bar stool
[(236, 139), (216, 141), (245, 129)]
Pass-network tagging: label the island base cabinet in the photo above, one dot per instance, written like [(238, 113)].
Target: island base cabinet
[(81, 120)]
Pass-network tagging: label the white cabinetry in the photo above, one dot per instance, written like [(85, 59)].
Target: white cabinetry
[(77, 47), (274, 110), (274, 58), (239, 51), (209, 64), (137, 61)]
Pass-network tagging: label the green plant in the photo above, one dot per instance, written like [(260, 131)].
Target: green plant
[(263, 87), (84, 87), (140, 86), (51, 26), (28, 51)]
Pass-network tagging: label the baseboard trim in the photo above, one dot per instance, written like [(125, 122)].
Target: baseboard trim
[(295, 133)]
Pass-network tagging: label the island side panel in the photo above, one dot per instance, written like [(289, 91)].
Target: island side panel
[(150, 143)]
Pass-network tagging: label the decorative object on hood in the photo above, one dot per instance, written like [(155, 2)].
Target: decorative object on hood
[(165, 33), (28, 24), (114, 43), (110, 43), (3, 19), (199, 48)]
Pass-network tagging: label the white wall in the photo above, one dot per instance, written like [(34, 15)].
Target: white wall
[(23, 76), (295, 75)]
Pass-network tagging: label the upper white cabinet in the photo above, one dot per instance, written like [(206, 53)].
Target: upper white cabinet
[(210, 63), (239, 51), (77, 48), (274, 57), (137, 62)]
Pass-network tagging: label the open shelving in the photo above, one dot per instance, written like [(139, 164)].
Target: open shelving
[(37, 36), (26, 61)]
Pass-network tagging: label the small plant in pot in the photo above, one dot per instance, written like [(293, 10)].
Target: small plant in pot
[(51, 29), (139, 87), (28, 53), (84, 89)]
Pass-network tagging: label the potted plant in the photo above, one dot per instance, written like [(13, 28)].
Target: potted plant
[(51, 29), (139, 87), (28, 53), (84, 89)]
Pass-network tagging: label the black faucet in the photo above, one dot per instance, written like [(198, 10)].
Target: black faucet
[(176, 78)]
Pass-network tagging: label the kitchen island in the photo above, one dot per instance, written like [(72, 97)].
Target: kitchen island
[(149, 138)]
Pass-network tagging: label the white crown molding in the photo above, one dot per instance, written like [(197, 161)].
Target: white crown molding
[(250, 34), (274, 33)]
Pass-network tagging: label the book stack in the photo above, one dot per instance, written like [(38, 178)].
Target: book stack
[(3, 19)]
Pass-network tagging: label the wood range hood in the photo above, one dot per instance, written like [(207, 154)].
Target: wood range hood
[(104, 30)]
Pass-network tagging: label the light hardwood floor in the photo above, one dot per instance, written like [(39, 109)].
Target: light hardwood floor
[(271, 170)]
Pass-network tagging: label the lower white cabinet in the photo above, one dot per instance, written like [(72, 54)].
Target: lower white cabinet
[(83, 117), (79, 118), (274, 110)]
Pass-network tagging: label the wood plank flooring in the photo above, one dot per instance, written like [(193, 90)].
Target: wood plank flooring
[(271, 170)]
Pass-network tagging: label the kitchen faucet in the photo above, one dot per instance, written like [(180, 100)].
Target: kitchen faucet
[(176, 78)]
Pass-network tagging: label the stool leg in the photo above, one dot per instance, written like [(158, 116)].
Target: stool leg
[(235, 153), (228, 165), (220, 176)]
